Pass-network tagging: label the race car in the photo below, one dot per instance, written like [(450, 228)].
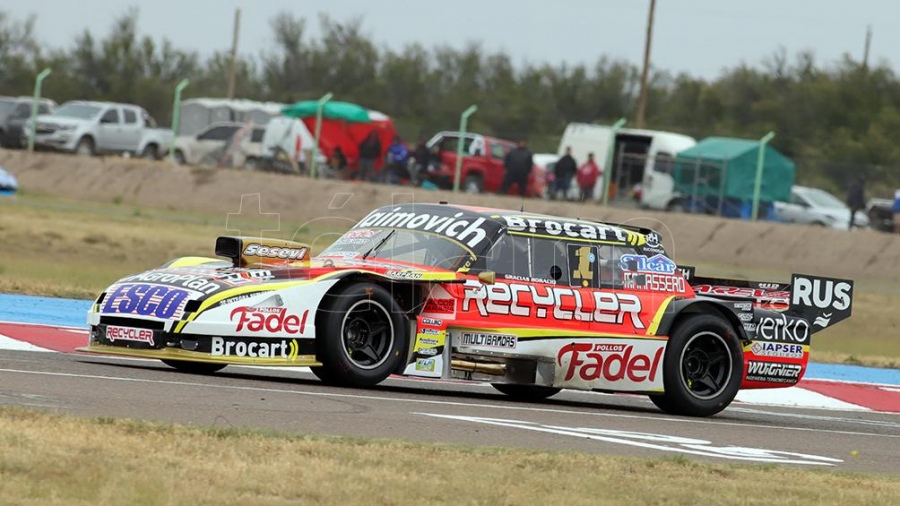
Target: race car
[(529, 303)]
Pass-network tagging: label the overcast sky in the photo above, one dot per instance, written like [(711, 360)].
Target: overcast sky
[(700, 37)]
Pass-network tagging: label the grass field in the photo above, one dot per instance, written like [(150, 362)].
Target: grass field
[(48, 459), (73, 249)]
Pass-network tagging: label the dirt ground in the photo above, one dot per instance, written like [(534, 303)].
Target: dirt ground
[(768, 248)]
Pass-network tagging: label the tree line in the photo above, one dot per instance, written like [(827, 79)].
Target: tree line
[(834, 119)]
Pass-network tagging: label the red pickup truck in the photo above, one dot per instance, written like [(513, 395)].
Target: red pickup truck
[(482, 164)]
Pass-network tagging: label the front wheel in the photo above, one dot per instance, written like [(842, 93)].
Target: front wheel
[(360, 336), (194, 367), (85, 147), (526, 393), (703, 367)]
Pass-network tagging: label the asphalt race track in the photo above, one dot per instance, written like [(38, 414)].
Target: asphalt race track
[(446, 412)]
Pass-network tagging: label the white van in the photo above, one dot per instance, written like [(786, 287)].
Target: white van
[(641, 157)]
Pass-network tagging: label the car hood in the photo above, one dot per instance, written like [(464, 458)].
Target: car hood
[(50, 119), (222, 279)]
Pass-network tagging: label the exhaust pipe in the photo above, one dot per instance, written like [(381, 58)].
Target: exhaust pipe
[(465, 365)]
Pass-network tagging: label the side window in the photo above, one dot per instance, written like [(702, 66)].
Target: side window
[(583, 265), (23, 110), (497, 151), (509, 256), (549, 261), (219, 133), (110, 116), (130, 116), (664, 163), (257, 135), (796, 199), (42, 109)]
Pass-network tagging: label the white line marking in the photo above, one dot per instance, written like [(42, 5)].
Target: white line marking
[(795, 397), (8, 343), (688, 446), (441, 403)]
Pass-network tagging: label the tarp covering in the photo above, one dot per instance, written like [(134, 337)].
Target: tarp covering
[(344, 111), (726, 167)]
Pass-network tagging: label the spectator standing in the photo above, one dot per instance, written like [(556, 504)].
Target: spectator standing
[(565, 168), (518, 164), (397, 156), (587, 177), (896, 209), (369, 152), (337, 162), (421, 156), (856, 198)]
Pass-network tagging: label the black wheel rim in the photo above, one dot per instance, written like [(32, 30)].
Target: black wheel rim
[(367, 334), (705, 365)]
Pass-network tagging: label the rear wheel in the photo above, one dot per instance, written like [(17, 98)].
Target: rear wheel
[(527, 393), (473, 184), (150, 152), (702, 368), (194, 367), (360, 336)]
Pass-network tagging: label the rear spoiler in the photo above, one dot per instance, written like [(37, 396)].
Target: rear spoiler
[(822, 302)]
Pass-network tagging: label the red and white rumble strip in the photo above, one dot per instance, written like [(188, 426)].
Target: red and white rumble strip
[(810, 393)]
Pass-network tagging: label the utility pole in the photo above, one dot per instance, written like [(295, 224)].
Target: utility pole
[(234, 47), (865, 63), (642, 98)]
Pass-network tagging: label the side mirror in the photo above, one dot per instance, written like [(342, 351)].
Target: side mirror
[(487, 277)]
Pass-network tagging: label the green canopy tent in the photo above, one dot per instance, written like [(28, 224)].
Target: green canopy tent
[(719, 174), (344, 111)]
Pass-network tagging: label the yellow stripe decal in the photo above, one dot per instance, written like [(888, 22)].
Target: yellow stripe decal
[(654, 325)]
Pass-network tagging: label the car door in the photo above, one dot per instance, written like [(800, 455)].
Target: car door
[(132, 129), (109, 130), (210, 144), (795, 211)]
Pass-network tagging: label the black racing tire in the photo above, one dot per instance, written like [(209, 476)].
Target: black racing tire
[(526, 393), (360, 336), (675, 206), (325, 375), (194, 367), (85, 147), (473, 183), (702, 368), (179, 157)]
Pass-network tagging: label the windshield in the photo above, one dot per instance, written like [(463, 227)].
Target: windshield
[(820, 198), (80, 111), (6, 106), (400, 245)]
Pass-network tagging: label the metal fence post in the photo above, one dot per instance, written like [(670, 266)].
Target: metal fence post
[(463, 122), (319, 111), (176, 115), (38, 81), (760, 163)]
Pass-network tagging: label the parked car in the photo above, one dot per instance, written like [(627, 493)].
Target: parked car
[(222, 144), (482, 165), (812, 206), (881, 214), (14, 113), (88, 128)]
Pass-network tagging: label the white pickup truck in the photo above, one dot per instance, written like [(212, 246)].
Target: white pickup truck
[(88, 128)]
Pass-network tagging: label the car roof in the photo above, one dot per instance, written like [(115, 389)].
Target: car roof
[(634, 235)]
